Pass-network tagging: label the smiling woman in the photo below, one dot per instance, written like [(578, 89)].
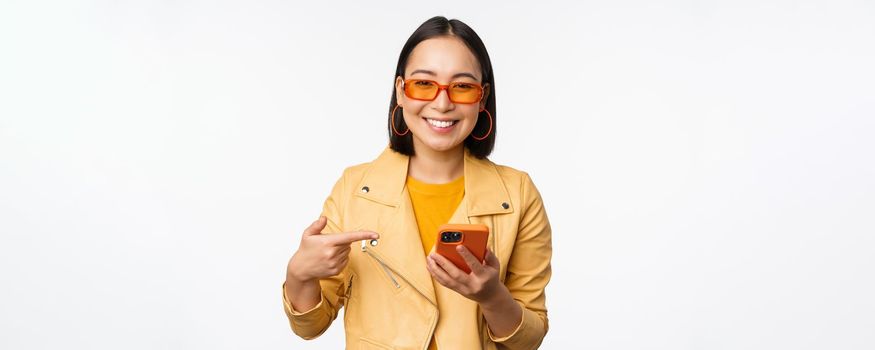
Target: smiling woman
[(372, 250)]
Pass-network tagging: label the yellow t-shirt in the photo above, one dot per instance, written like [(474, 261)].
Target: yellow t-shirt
[(434, 205)]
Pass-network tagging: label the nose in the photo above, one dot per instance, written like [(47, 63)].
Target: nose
[(442, 101)]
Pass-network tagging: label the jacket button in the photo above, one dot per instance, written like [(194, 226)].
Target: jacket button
[(505, 205), (374, 242), (365, 189)]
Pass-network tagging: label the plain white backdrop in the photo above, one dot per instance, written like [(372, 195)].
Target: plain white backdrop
[(707, 166)]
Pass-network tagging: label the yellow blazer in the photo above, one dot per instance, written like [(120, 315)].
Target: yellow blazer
[(389, 296)]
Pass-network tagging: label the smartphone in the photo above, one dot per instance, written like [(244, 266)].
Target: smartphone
[(472, 236)]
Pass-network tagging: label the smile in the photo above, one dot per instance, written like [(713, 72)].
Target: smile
[(441, 124)]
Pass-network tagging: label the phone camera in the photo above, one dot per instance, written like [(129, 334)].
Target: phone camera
[(450, 237)]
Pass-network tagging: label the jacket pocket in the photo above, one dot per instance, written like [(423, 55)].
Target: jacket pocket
[(367, 344)]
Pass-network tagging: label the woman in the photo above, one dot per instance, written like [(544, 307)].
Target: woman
[(371, 250)]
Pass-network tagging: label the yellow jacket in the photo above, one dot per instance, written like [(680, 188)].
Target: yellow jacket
[(388, 294)]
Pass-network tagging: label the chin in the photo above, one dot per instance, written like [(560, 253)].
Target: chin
[(441, 145)]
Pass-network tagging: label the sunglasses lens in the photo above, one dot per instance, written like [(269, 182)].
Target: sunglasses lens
[(428, 90), (464, 93), (421, 89)]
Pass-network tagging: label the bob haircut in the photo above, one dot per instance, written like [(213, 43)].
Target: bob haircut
[(439, 26)]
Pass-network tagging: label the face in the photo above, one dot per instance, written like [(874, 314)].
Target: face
[(444, 60)]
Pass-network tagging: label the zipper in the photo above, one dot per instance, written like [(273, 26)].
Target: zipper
[(388, 273), (385, 268)]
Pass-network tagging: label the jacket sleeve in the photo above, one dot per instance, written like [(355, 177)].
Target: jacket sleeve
[(528, 272), (309, 324)]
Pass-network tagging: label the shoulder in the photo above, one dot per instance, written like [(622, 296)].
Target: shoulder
[(386, 160), (510, 173), (518, 181), (356, 171), (513, 174), (350, 176)]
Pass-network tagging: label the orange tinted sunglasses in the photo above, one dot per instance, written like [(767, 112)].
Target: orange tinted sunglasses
[(428, 90)]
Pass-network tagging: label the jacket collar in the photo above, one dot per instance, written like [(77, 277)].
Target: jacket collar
[(485, 191)]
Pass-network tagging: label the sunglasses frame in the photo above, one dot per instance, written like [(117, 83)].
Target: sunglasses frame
[(442, 87)]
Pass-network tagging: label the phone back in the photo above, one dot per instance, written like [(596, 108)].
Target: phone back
[(473, 237)]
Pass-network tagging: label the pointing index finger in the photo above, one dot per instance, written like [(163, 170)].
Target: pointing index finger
[(345, 238)]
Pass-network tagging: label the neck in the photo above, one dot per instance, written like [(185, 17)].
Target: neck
[(431, 166)]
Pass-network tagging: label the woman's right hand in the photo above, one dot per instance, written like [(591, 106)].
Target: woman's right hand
[(321, 256)]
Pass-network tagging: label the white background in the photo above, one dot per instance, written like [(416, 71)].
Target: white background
[(707, 167)]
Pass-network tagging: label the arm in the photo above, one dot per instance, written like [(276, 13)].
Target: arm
[(502, 313), (318, 300), (514, 311), (528, 272)]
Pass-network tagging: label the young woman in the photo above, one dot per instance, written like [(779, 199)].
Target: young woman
[(371, 250)]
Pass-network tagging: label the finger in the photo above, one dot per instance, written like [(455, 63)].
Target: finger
[(439, 274), (470, 259), (492, 260), (342, 251), (338, 266), (454, 272), (343, 261), (345, 238), (316, 227)]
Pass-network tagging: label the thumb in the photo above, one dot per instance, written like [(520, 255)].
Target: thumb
[(316, 227)]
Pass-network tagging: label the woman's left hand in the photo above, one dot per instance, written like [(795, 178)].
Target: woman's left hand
[(481, 285), (502, 313)]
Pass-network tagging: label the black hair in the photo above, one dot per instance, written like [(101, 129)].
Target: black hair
[(440, 26)]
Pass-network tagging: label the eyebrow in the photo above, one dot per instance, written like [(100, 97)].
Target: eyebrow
[(463, 74)]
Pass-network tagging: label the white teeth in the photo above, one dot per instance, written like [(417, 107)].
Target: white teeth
[(440, 124)]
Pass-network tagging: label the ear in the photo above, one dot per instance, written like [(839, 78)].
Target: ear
[(399, 90), (485, 95)]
